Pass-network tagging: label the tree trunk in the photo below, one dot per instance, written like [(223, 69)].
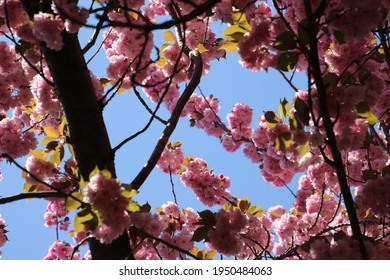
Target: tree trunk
[(88, 134)]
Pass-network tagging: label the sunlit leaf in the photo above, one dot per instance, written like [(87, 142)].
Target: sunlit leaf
[(284, 108), (283, 141), (46, 140), (240, 19), (51, 131), (161, 62), (133, 206), (365, 112), (169, 36), (105, 82), (234, 33), (73, 202), (39, 154), (201, 48), (86, 219), (271, 119), (243, 204)]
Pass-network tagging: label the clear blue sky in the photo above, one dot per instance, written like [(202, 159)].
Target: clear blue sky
[(227, 81)]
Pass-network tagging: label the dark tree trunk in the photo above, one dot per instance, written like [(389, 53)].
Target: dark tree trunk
[(88, 134)]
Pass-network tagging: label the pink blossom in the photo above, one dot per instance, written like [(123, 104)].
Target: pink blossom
[(48, 28), (105, 196)]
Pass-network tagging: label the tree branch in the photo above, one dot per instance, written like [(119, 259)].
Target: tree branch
[(328, 126), (21, 196)]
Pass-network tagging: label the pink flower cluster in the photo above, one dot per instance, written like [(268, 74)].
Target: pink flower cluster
[(203, 112), (47, 28), (3, 237), (13, 12), (128, 50), (105, 196), (40, 169), (240, 234), (171, 160), (254, 46), (239, 118), (374, 195), (61, 251), (13, 141), (209, 189), (171, 225), (13, 83), (56, 213), (74, 16)]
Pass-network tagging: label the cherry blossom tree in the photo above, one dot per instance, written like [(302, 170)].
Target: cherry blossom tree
[(334, 134)]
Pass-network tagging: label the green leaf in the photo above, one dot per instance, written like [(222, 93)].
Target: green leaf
[(283, 141), (229, 46), (284, 108), (302, 111), (234, 33), (243, 205), (207, 218), (304, 149), (368, 175), (386, 170), (364, 111), (271, 119), (133, 206), (285, 41), (71, 203), (201, 233), (330, 80), (169, 36), (86, 219), (287, 61)]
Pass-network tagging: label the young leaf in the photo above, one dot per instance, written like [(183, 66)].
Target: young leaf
[(51, 131), (71, 203), (271, 119), (365, 112), (201, 48), (169, 36), (284, 108), (285, 41), (229, 46), (283, 141), (287, 61)]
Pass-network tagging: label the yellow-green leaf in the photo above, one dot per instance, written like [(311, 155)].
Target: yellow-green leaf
[(161, 62), (234, 33), (365, 112), (73, 201), (104, 82), (271, 119), (201, 48), (243, 204), (304, 149), (210, 255), (169, 36), (85, 218), (39, 154), (46, 140), (133, 206), (129, 193), (51, 131), (240, 19), (284, 108), (229, 46), (283, 141), (28, 187)]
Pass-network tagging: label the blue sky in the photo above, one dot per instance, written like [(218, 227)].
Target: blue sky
[(227, 81)]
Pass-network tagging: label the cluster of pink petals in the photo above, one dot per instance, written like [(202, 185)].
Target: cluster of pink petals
[(105, 196)]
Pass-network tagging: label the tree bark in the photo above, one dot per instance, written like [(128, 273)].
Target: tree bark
[(87, 131)]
